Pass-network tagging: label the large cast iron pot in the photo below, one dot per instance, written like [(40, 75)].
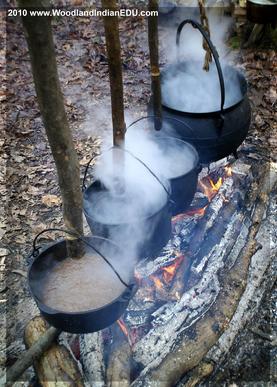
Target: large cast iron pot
[(150, 233), (262, 11), (218, 133), (76, 322), (183, 184)]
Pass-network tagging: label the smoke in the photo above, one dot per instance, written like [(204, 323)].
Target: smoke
[(188, 87), (191, 89), (191, 39), (132, 195)]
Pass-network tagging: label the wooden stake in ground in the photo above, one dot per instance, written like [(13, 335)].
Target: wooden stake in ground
[(39, 37), (115, 71), (154, 63)]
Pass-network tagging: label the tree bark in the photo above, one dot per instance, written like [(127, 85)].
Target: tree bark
[(115, 71), (56, 364), (119, 362), (42, 343), (39, 37), (153, 42)]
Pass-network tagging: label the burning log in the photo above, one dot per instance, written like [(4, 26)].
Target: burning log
[(92, 358), (119, 366), (197, 375), (193, 340)]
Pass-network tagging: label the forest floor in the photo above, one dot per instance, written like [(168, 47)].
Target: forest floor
[(33, 200)]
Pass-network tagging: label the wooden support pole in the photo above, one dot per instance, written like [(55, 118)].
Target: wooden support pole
[(34, 353), (39, 37), (153, 42), (115, 72)]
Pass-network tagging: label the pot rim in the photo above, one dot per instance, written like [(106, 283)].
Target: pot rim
[(192, 148), (203, 114), (52, 311), (140, 219)]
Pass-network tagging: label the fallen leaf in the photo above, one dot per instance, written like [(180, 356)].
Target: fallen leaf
[(51, 200)]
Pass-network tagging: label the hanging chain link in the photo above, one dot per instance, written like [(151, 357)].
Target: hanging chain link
[(205, 24)]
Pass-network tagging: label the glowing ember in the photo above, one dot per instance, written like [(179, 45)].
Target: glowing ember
[(170, 270), (123, 328), (197, 211), (228, 171), (192, 212), (167, 272), (157, 282)]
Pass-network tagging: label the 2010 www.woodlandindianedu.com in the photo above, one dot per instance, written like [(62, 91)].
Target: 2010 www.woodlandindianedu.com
[(79, 12)]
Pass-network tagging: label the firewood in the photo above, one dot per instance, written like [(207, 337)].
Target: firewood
[(92, 358), (199, 373), (205, 332), (35, 352), (39, 37), (56, 364), (154, 63), (119, 367)]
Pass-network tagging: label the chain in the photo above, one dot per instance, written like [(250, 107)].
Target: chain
[(205, 25)]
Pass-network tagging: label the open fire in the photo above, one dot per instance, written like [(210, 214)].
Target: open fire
[(167, 283)]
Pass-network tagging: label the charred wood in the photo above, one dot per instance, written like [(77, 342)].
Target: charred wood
[(191, 345), (92, 358), (119, 362)]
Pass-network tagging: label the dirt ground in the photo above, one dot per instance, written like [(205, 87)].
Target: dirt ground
[(30, 189)]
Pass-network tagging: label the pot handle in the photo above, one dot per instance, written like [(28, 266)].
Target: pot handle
[(86, 172), (214, 54), (36, 249), (145, 166), (167, 118), (136, 158)]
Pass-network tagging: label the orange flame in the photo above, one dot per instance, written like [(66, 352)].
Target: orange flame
[(217, 185), (123, 328), (158, 283), (210, 191), (170, 270), (168, 273)]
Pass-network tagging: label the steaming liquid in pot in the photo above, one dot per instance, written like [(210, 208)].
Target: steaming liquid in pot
[(188, 88), (112, 209), (76, 285), (166, 156), (178, 158)]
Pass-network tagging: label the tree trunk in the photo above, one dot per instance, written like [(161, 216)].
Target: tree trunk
[(115, 71), (154, 63), (39, 37)]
